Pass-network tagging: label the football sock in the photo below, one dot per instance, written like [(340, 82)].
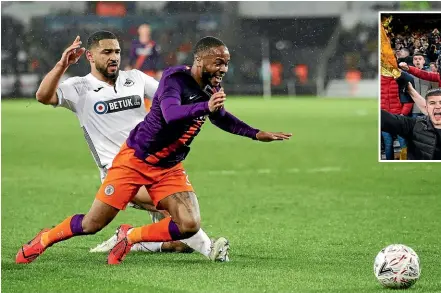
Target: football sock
[(68, 228), (199, 242), (147, 246), (162, 231)]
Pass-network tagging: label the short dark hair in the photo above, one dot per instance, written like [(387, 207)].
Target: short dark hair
[(94, 38), (419, 54), (207, 43), (433, 92)]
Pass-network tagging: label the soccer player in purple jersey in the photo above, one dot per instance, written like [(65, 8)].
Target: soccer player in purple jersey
[(152, 156)]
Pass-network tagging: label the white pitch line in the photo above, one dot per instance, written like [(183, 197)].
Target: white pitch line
[(222, 172), (361, 112), (263, 171), (270, 171), (324, 170)]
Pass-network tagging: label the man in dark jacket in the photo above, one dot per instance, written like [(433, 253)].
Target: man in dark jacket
[(423, 134)]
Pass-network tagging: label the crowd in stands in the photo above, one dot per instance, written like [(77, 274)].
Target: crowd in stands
[(417, 52), (408, 43)]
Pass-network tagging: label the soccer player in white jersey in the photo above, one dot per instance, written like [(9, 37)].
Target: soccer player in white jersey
[(109, 103)]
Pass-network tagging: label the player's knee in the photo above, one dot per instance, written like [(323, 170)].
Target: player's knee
[(189, 226)]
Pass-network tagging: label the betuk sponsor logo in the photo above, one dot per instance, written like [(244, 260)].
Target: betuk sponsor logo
[(116, 105)]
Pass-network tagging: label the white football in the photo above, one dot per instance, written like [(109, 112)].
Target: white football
[(397, 266)]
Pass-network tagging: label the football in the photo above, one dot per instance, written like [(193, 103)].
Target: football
[(397, 266)]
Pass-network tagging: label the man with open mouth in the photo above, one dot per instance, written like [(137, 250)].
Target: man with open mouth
[(422, 133)]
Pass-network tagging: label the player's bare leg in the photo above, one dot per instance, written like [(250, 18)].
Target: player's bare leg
[(143, 201), (184, 207), (184, 223), (99, 215)]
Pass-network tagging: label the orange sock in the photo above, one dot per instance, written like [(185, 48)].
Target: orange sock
[(65, 230), (163, 231)]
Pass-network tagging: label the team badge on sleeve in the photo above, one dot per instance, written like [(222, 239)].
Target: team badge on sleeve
[(109, 190)]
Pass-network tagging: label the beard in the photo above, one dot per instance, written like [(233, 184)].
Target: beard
[(212, 78), (207, 77), (106, 74)]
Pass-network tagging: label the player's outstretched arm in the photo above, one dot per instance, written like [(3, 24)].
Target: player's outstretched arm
[(425, 75), (46, 93), (417, 98), (229, 123), (397, 124)]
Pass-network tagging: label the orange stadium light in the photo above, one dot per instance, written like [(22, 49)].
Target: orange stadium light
[(301, 72), (353, 77), (105, 8)]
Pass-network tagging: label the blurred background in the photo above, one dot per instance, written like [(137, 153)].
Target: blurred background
[(278, 48)]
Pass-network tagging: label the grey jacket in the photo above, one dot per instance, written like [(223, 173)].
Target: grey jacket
[(422, 86)]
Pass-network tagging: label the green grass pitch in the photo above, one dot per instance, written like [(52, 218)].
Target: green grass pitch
[(307, 215)]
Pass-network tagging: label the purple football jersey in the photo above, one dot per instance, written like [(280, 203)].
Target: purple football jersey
[(179, 109)]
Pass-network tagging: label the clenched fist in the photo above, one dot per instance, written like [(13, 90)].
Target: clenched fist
[(217, 101), (404, 66)]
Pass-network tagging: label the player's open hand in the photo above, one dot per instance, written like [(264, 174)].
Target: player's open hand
[(404, 66), (217, 101), (272, 136), (410, 87), (72, 54)]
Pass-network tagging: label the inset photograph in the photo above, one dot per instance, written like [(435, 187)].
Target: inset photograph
[(410, 86)]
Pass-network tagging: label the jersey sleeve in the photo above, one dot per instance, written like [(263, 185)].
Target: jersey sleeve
[(170, 102), (229, 123), (67, 94), (150, 85), (171, 89), (425, 75)]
